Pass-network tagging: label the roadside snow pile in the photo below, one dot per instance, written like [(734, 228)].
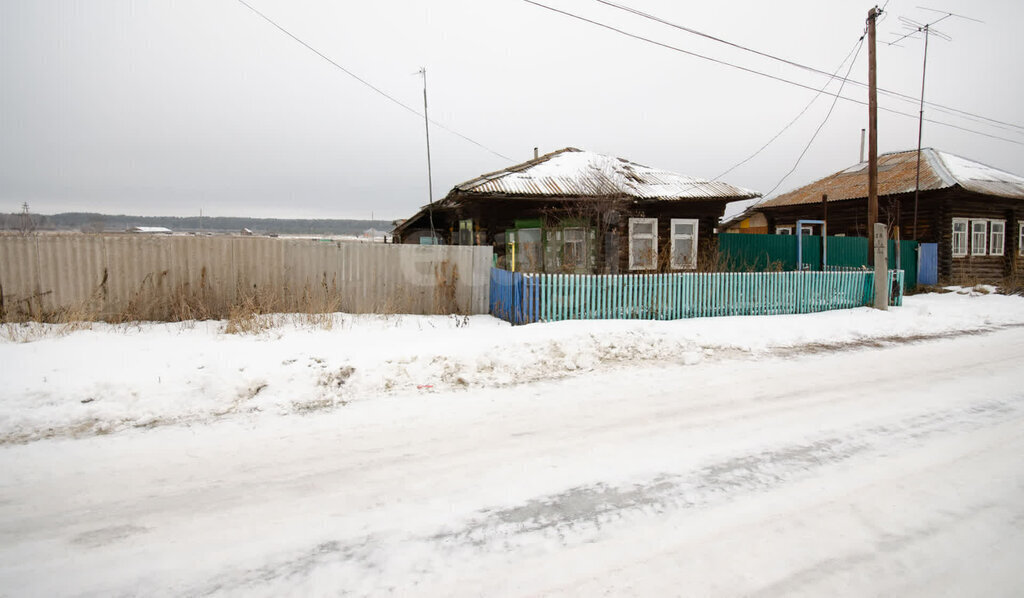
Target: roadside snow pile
[(111, 378)]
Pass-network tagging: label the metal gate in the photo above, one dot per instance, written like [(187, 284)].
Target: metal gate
[(928, 263)]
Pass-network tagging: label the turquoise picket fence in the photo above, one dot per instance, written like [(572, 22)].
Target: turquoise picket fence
[(525, 298)]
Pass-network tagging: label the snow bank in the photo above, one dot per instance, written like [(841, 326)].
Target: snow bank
[(111, 378)]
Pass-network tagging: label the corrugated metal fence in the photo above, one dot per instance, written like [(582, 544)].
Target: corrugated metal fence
[(760, 253), (143, 277), (525, 298)]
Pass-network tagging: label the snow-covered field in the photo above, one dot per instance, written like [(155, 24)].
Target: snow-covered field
[(843, 453)]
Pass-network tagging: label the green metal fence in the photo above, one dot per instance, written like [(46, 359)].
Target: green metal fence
[(759, 253), (524, 298)]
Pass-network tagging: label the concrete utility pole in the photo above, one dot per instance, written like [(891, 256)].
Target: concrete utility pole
[(880, 250), (872, 133)]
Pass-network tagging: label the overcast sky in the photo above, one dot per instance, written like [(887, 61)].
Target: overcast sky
[(167, 107)]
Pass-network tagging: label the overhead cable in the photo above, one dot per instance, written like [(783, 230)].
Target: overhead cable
[(894, 94), (860, 44), (370, 85), (759, 73), (856, 48)]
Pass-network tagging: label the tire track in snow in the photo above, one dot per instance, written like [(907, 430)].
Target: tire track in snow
[(586, 509), (586, 513)]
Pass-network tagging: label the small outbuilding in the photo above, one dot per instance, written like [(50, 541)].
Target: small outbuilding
[(574, 211)]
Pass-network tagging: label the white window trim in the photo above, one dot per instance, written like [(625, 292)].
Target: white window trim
[(654, 243), (1020, 239), (974, 246), (693, 242), (992, 236), (807, 230), (779, 229), (966, 234)]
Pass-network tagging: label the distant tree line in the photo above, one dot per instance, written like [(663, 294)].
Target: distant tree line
[(94, 223)]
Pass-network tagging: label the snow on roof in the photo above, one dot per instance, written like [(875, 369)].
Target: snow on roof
[(574, 172), (734, 209), (150, 229), (897, 173), (980, 178)]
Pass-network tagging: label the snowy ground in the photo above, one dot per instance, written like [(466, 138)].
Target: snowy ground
[(845, 453), (114, 378)]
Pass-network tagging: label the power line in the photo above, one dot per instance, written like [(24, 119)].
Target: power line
[(368, 84), (712, 37), (756, 72), (855, 48), (894, 94), (860, 44)]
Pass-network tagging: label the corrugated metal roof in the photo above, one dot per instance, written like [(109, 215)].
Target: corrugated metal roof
[(573, 172), (896, 174)]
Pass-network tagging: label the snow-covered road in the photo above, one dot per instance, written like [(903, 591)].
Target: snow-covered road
[(871, 471)]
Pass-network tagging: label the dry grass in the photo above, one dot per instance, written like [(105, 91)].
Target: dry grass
[(252, 311), (1013, 284), (963, 274), (245, 318), (446, 279)]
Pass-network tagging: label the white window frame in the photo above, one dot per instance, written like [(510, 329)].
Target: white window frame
[(1020, 239), (964, 237), (993, 248), (807, 230), (779, 230), (975, 235), (653, 262), (695, 223)]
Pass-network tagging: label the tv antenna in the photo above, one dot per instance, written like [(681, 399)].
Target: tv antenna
[(914, 30)]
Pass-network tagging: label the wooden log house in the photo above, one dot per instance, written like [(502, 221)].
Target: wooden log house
[(573, 211), (973, 212)]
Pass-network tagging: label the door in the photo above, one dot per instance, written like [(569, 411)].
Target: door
[(928, 263)]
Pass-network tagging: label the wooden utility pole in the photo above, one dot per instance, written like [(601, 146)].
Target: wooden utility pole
[(430, 175), (872, 133), (920, 130)]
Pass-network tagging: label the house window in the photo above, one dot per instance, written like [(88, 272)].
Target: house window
[(783, 230), (529, 250), (643, 243), (684, 243), (465, 232), (1020, 241), (959, 237), (574, 248), (979, 237), (997, 237), (806, 230)]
